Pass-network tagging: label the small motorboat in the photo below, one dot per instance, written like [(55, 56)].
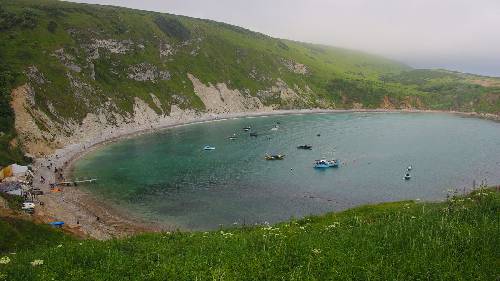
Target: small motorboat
[(407, 176), (275, 156), (275, 128), (208, 147), (305, 146), (409, 168), (253, 134), (323, 163), (246, 129), (233, 137)]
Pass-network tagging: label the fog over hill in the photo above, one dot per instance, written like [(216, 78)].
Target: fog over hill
[(452, 34)]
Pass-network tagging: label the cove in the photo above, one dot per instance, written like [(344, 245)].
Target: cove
[(167, 177)]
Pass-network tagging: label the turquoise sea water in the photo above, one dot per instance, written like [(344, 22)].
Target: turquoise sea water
[(167, 178)]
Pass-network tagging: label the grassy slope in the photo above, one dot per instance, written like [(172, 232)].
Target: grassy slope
[(454, 240), (31, 31)]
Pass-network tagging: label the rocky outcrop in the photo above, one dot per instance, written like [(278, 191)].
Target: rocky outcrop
[(295, 67), (220, 99), (288, 97), (166, 50), (28, 121), (147, 72), (35, 76), (67, 60), (112, 45)]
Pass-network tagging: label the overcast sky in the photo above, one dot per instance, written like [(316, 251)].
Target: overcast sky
[(455, 34)]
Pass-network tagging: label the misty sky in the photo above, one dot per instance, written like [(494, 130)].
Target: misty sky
[(455, 34)]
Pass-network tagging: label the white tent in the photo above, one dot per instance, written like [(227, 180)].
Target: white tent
[(18, 170)]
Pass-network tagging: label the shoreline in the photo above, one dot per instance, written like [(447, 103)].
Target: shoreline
[(85, 215)]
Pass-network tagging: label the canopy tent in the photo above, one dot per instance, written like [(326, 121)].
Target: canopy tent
[(13, 170)]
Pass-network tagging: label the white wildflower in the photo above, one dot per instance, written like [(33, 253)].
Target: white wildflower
[(4, 260), (316, 251), (226, 234), (413, 217), (332, 226), (59, 246), (37, 262)]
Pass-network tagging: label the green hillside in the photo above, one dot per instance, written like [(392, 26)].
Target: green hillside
[(81, 59), (453, 240)]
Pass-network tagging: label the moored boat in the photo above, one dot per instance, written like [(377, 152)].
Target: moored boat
[(407, 176), (208, 147), (275, 156), (323, 163), (305, 146)]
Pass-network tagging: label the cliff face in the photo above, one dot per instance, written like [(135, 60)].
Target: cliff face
[(82, 69)]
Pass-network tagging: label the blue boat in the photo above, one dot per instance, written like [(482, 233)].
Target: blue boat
[(208, 147), (323, 163), (57, 224)]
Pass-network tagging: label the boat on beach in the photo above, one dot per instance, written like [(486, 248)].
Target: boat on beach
[(323, 163)]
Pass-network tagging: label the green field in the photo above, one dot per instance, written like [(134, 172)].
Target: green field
[(76, 74), (453, 240)]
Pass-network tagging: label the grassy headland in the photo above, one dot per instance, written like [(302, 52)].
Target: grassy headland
[(453, 240)]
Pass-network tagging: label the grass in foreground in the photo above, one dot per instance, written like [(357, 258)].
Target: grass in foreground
[(454, 240)]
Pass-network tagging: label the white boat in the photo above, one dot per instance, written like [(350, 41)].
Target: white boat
[(208, 147), (323, 163), (275, 128), (407, 176), (28, 206)]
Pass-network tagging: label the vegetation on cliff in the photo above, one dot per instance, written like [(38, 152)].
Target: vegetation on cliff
[(79, 59)]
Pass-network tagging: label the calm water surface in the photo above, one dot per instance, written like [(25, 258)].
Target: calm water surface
[(166, 177)]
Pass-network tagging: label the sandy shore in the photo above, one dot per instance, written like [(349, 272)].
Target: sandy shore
[(87, 216)]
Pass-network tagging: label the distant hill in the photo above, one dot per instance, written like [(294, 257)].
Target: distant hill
[(79, 67)]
